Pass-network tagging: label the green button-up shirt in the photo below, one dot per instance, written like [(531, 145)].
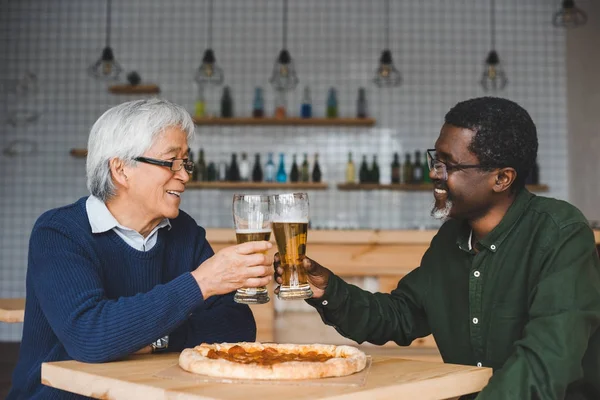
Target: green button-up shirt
[(527, 303)]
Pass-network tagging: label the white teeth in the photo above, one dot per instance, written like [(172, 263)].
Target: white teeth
[(178, 194), (440, 191)]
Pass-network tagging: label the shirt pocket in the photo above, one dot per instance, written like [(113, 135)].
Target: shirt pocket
[(507, 323)]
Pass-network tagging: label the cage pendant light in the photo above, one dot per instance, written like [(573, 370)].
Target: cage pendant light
[(386, 74), (283, 77), (106, 67), (493, 77), (569, 16), (209, 72)]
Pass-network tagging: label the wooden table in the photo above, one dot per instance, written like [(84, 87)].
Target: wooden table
[(12, 310), (388, 377)]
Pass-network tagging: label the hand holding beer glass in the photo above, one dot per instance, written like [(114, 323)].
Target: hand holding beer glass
[(252, 220), (289, 213)]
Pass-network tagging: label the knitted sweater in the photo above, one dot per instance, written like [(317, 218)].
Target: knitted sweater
[(92, 298)]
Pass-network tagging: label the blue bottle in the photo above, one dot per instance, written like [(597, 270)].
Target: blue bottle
[(306, 108), (281, 174), (270, 169), (258, 105)]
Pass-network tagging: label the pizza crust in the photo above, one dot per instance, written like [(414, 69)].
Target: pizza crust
[(346, 360)]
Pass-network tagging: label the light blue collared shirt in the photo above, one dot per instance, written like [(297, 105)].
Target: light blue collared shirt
[(101, 220)]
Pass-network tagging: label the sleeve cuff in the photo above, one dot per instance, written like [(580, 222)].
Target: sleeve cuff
[(335, 295)]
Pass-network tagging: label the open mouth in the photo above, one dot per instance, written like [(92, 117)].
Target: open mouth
[(174, 193)]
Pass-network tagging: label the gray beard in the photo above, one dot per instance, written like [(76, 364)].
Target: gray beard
[(442, 213)]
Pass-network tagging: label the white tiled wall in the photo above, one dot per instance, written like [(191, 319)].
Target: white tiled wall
[(439, 47)]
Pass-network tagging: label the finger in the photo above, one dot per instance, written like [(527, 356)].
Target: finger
[(253, 247), (277, 289), (276, 258), (259, 271), (257, 282)]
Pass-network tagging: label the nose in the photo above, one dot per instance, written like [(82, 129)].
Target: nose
[(183, 175)]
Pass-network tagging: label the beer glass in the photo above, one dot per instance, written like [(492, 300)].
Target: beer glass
[(289, 213), (252, 220)]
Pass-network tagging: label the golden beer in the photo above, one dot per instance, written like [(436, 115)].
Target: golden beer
[(257, 295), (291, 243)]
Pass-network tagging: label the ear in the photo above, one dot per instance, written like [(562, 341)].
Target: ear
[(504, 178), (118, 172)]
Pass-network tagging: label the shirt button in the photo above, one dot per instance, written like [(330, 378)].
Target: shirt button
[(324, 302), (475, 321), (479, 364), (493, 247), (476, 273)]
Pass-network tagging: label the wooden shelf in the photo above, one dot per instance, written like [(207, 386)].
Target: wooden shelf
[(256, 185), (411, 187), (78, 153), (292, 121), (134, 89)]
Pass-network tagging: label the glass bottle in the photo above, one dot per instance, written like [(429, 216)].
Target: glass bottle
[(374, 170), (244, 168), (258, 105), (270, 169), (426, 177), (281, 174), (211, 172), (363, 173), (332, 104), (200, 105), (294, 172), (234, 169), (201, 166), (304, 174), (280, 104), (222, 169), (417, 172), (407, 173), (257, 172), (316, 172), (350, 170), (361, 104), (226, 103), (306, 108), (396, 169), (194, 175)]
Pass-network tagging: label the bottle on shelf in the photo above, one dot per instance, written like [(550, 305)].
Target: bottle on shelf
[(363, 173), (306, 107), (407, 167), (201, 166), (258, 104), (417, 171), (257, 172), (281, 174), (270, 169), (222, 169), (350, 170), (244, 168), (361, 104), (304, 171), (374, 170), (316, 172), (194, 175), (211, 172), (226, 103), (396, 169), (295, 172), (280, 104), (200, 105), (234, 169), (332, 104)]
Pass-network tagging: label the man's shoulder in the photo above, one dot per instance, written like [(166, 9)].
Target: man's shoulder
[(70, 214), (555, 212)]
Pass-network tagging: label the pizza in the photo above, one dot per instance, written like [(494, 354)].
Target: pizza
[(254, 360)]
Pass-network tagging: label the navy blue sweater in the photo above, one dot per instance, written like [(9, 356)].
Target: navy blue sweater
[(93, 298)]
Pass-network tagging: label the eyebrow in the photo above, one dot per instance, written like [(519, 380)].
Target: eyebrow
[(175, 149), (446, 156)]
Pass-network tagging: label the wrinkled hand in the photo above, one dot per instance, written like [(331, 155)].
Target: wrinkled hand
[(317, 275), (242, 265)]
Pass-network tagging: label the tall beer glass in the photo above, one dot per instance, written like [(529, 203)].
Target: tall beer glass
[(290, 227), (252, 220)]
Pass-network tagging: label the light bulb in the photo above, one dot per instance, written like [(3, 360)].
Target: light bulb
[(493, 77), (569, 16), (106, 67), (284, 76), (209, 71), (386, 74)]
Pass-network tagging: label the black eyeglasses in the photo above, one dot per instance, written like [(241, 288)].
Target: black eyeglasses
[(174, 165), (441, 168)]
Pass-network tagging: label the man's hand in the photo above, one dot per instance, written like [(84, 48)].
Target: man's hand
[(241, 266), (318, 276)]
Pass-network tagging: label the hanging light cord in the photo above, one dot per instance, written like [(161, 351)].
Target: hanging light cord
[(108, 2), (209, 33), (285, 20), (387, 24), (493, 24)]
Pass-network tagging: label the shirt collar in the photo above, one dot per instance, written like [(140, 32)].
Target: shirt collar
[(493, 240), (101, 219)]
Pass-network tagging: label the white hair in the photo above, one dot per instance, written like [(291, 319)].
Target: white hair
[(442, 213), (127, 131)]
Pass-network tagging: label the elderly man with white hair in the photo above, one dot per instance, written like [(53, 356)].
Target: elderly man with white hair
[(124, 270)]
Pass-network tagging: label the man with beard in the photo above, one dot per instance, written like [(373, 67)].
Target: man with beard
[(511, 280)]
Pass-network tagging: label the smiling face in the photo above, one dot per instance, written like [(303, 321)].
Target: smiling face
[(467, 193), (155, 191)]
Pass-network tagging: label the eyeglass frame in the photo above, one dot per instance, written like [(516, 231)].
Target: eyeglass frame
[(431, 161), (163, 163)]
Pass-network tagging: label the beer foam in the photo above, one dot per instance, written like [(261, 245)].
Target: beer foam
[(263, 230), (291, 220)]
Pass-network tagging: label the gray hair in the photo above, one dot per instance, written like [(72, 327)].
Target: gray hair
[(127, 131)]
